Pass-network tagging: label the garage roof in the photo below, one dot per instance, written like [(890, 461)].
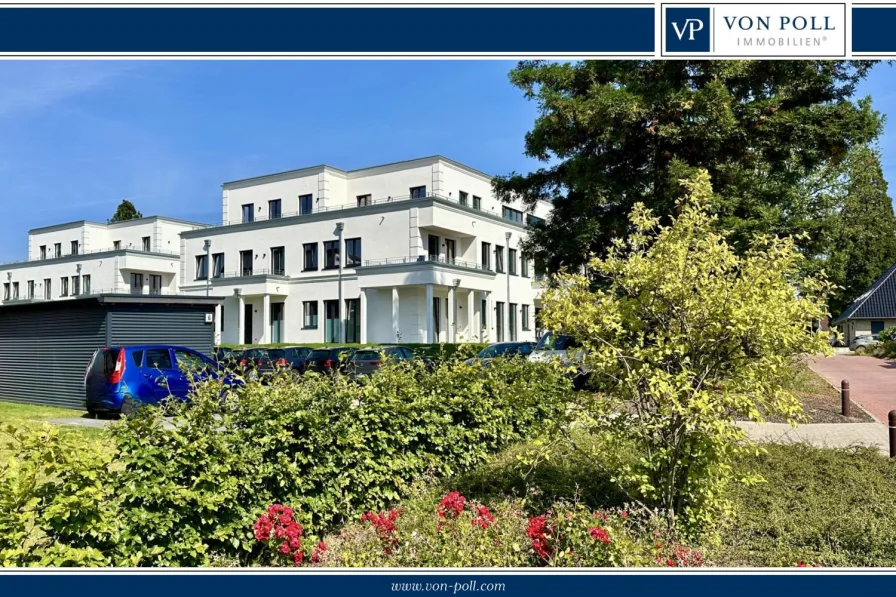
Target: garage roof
[(878, 302)]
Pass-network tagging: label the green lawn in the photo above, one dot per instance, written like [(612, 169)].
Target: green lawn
[(30, 415)]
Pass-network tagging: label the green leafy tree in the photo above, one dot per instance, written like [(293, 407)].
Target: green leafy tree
[(685, 336), (863, 240), (126, 211), (617, 133)]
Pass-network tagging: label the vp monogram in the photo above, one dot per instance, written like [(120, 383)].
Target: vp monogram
[(691, 26)]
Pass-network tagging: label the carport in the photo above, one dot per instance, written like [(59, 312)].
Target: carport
[(45, 346)]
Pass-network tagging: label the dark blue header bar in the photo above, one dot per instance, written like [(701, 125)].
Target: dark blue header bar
[(414, 30), (872, 30)]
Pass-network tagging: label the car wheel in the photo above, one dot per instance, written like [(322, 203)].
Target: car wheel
[(94, 413)]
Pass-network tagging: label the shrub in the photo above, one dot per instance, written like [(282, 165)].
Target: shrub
[(682, 334)]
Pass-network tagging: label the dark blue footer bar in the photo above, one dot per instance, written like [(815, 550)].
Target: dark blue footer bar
[(812, 582), (467, 29)]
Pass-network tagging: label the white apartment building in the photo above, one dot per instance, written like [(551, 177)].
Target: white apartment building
[(414, 252)]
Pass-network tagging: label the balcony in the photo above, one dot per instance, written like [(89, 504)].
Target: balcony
[(246, 272), (428, 259), (82, 254), (424, 269)]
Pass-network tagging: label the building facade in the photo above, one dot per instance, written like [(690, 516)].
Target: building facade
[(413, 252)]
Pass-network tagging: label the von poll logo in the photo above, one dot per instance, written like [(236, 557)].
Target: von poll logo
[(755, 30)]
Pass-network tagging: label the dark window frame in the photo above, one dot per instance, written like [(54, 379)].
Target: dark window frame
[(146, 243), (313, 248), (281, 271), (511, 262), (477, 202), (331, 247), (201, 270), (355, 243), (250, 213), (486, 256), (275, 214), (463, 198), (499, 259), (218, 260), (303, 210), (417, 192), (305, 315)]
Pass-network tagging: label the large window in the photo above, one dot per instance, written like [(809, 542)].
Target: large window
[(48, 288), (533, 220), (246, 264), (418, 192), (116, 244), (483, 319), (57, 250), (274, 211), (15, 291), (511, 312), (309, 309), (43, 251), (511, 261), (526, 318), (512, 214), (136, 283), (331, 254), (306, 204), (352, 320), (63, 286), (486, 256), (352, 252), (218, 265), (499, 321), (364, 200), (76, 285), (6, 294), (248, 213), (85, 283), (201, 267), (278, 261), (499, 259), (310, 261), (30, 294), (524, 263), (462, 197), (76, 247), (147, 243), (477, 202)]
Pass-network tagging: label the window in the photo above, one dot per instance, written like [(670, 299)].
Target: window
[(201, 267), (155, 284), (525, 266), (218, 265), (499, 321), (477, 202), (462, 197), (418, 192), (6, 291), (309, 309), (511, 261), (43, 251), (310, 262), (137, 357), (15, 291), (63, 288), (511, 312), (48, 288), (486, 256), (499, 259), (450, 250), (533, 220), (116, 245), (76, 285), (85, 284), (364, 200), (57, 250), (306, 204), (512, 214), (147, 244), (274, 209), (158, 358), (876, 326), (433, 247), (331, 254), (278, 261), (190, 360), (248, 212), (136, 283), (352, 252), (75, 247), (483, 317), (246, 263), (526, 318)]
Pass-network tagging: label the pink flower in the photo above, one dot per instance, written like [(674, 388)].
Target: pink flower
[(599, 534), (451, 505)]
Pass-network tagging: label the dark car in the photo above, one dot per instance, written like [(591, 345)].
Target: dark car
[(368, 360), (503, 350), (229, 358), (263, 362), (328, 360), (121, 378), (296, 356)]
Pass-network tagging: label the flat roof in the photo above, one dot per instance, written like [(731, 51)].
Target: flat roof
[(117, 298), (78, 223)]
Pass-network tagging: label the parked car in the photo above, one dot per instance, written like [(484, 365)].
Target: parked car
[(229, 358), (502, 350), (565, 348), (863, 343), (264, 362), (369, 360), (296, 356), (328, 360), (121, 378)]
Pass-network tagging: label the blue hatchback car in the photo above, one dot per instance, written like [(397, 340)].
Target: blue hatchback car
[(120, 378)]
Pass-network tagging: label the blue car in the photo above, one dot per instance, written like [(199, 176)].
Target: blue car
[(121, 378)]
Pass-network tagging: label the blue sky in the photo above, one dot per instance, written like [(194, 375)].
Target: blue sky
[(77, 137)]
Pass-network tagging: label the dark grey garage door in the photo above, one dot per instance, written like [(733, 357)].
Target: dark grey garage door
[(161, 324)]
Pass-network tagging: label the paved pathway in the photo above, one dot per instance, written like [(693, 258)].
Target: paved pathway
[(81, 422), (831, 435), (872, 382)]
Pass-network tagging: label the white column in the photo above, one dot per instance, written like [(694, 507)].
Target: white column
[(219, 320), (430, 327), (265, 335), (240, 319), (363, 315), (472, 320), (395, 314), (452, 315)]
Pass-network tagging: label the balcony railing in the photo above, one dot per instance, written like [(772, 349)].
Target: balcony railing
[(428, 259), (356, 205), (245, 273), (91, 252)]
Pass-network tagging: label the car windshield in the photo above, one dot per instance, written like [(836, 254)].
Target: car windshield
[(366, 355), (277, 354), (553, 342), (319, 354), (497, 350)]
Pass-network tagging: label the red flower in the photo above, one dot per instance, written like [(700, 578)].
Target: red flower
[(263, 528), (805, 565), (451, 505), (599, 534), (623, 514), (284, 548), (484, 517), (298, 557), (537, 530), (384, 523), (315, 556)]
